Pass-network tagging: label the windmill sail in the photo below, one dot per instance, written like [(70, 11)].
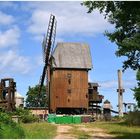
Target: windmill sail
[(48, 41)]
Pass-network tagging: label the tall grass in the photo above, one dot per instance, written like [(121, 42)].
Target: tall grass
[(11, 132), (9, 129), (42, 130)]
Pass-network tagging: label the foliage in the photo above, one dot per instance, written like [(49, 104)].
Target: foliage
[(8, 126), (29, 119), (133, 118), (118, 118), (36, 100), (25, 115), (39, 130), (126, 18), (137, 89), (6, 119)]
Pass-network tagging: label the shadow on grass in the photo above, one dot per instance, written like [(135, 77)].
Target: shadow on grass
[(125, 135)]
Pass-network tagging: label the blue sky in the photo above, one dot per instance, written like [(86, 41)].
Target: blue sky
[(22, 27)]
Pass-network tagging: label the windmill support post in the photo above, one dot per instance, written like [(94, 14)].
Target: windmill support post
[(120, 91)]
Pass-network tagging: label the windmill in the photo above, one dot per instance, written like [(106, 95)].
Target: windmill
[(48, 45)]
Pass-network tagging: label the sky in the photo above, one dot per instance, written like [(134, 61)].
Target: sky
[(23, 26)]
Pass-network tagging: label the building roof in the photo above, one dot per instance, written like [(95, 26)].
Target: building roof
[(106, 102), (18, 95), (72, 55), (93, 84)]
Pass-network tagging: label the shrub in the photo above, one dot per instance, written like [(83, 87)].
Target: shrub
[(4, 118), (26, 115), (133, 118), (29, 118), (7, 126)]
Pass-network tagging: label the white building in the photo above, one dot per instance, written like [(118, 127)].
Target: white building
[(19, 99)]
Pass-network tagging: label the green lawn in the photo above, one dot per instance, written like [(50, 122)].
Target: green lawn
[(120, 130), (42, 130)]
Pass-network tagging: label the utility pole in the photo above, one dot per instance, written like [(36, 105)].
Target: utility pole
[(120, 91)]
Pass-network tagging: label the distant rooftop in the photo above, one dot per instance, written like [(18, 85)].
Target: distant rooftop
[(18, 95), (72, 55), (93, 84)]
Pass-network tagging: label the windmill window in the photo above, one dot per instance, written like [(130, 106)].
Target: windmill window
[(69, 90), (69, 81)]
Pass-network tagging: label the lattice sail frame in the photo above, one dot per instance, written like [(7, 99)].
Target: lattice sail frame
[(47, 47)]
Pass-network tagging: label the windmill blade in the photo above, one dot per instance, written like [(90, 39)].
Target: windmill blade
[(53, 38), (42, 78), (46, 45)]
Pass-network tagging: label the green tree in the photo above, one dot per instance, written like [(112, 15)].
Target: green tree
[(36, 100), (125, 15), (137, 89)]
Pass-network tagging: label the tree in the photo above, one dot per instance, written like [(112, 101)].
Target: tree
[(125, 15), (137, 89), (34, 99)]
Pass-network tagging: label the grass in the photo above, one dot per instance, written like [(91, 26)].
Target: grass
[(120, 130), (42, 130), (11, 132)]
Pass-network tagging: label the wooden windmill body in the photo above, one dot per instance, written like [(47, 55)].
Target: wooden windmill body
[(69, 78)]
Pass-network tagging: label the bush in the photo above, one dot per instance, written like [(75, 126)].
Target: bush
[(29, 118), (133, 118), (26, 115), (7, 126)]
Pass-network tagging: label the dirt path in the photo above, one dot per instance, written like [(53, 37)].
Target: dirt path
[(63, 132), (100, 134)]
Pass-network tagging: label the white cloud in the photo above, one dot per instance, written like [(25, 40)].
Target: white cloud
[(108, 84), (9, 37), (39, 26), (6, 19), (112, 84), (71, 19), (11, 61)]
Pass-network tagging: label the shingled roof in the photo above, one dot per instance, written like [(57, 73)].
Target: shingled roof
[(72, 55)]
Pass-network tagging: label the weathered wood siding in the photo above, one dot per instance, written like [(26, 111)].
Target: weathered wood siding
[(69, 89)]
